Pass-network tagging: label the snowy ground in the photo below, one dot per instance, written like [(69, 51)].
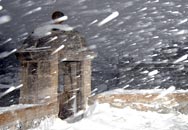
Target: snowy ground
[(105, 117)]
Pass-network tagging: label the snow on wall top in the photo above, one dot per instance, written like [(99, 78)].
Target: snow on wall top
[(145, 91)]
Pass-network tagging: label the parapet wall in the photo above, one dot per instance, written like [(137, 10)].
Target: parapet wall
[(22, 117), (143, 100), (146, 100)]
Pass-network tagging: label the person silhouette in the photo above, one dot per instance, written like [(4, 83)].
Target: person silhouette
[(54, 28)]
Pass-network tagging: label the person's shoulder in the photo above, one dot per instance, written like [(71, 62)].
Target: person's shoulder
[(64, 27), (46, 29)]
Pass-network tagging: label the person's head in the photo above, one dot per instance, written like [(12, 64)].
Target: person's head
[(57, 15)]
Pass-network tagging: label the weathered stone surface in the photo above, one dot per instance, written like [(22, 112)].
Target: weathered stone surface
[(59, 59), (86, 81), (68, 55), (72, 40), (146, 102), (71, 74), (24, 118), (34, 55), (40, 80)]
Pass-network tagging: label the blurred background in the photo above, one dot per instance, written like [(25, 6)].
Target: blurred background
[(144, 47)]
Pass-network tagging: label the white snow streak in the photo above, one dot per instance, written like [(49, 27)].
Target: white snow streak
[(183, 21), (152, 73), (15, 107), (6, 41), (50, 2), (167, 91), (5, 19), (58, 49), (6, 54), (12, 88), (1, 7), (53, 39), (143, 9), (33, 11), (181, 59), (93, 22), (145, 72), (109, 18), (181, 32), (38, 48), (74, 105), (64, 18)]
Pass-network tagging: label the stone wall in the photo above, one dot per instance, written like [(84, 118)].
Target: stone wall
[(146, 101), (26, 117)]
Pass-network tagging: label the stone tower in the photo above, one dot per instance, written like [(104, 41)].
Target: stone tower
[(56, 67)]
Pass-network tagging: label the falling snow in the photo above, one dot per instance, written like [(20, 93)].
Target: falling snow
[(33, 11), (181, 59), (12, 88), (6, 54), (140, 44), (109, 18), (58, 49), (1, 7), (154, 72), (5, 19)]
